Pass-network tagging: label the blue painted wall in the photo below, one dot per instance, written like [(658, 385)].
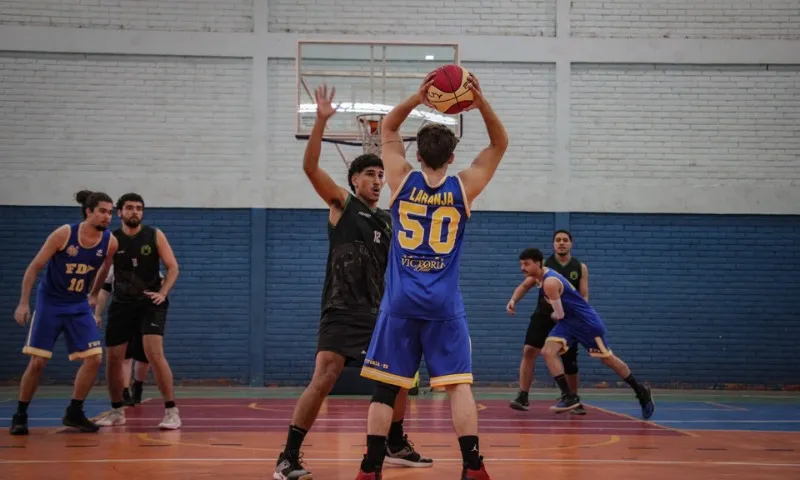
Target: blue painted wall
[(689, 300)]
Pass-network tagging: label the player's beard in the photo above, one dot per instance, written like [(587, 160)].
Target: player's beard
[(132, 222), (100, 227)]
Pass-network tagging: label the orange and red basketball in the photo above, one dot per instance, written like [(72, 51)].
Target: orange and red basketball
[(449, 93)]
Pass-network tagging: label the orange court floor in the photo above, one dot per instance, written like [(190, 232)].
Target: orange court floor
[(238, 432)]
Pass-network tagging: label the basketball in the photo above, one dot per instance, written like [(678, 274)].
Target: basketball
[(449, 93)]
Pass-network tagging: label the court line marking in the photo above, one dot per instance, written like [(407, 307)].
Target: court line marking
[(480, 406), (147, 438), (255, 406), (646, 422), (441, 460), (727, 407), (361, 428), (555, 420)]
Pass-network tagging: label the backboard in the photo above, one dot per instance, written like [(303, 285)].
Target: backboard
[(370, 78)]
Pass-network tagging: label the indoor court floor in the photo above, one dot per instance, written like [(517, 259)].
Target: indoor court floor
[(237, 433)]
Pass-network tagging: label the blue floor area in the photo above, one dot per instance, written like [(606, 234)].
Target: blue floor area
[(699, 415), (47, 412)]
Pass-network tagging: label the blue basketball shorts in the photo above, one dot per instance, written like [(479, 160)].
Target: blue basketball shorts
[(592, 337), (398, 344), (77, 323)]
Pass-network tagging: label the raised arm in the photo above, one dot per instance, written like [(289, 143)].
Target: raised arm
[(393, 151), (480, 172), (552, 291), (519, 292), (326, 188)]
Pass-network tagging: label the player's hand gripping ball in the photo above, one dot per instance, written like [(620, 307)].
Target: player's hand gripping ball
[(450, 93)]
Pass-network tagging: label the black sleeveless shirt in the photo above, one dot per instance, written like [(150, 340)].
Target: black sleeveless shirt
[(572, 271), (136, 265), (358, 251)]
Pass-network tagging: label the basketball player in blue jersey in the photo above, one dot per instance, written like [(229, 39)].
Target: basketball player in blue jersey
[(577, 322), (74, 256), (422, 312)]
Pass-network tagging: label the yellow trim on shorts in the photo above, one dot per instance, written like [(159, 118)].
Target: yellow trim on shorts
[(385, 377), (562, 341), (454, 379), (37, 352), (86, 353), (604, 351)]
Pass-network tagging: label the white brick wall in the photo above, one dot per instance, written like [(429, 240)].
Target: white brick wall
[(123, 116), (173, 15), (698, 123), (752, 19), (523, 96), (410, 17)]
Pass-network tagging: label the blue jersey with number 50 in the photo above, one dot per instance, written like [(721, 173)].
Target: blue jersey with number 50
[(428, 228)]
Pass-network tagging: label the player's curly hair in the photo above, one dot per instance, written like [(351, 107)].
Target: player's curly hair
[(533, 254), (435, 144), (89, 200), (361, 163)]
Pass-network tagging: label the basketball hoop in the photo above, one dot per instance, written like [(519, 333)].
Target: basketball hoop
[(370, 126)]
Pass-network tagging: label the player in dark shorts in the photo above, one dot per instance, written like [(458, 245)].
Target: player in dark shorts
[(135, 364), (359, 236), (540, 325), (139, 308), (72, 257)]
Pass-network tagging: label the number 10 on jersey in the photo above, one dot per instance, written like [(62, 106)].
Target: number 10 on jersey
[(414, 235)]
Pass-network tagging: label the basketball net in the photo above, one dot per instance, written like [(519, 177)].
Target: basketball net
[(370, 126)]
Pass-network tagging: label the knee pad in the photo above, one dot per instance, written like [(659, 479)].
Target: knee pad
[(385, 394), (570, 361)]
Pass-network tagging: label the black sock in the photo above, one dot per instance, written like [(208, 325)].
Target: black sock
[(137, 384), (76, 404), (469, 452), (170, 404), (561, 381), (396, 435), (294, 440), (126, 393), (376, 451), (22, 407), (523, 395), (636, 386), (116, 404)]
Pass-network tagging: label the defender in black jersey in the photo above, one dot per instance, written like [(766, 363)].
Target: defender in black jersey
[(132, 394), (359, 237), (139, 307), (541, 323)]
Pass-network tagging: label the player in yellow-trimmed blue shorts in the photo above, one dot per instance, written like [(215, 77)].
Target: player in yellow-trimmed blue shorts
[(422, 311), (577, 322), (72, 257)]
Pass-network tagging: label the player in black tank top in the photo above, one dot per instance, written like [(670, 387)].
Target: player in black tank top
[(357, 254), (139, 307), (540, 325), (359, 235)]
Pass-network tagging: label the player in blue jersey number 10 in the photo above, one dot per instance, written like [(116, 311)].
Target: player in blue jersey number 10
[(74, 256)]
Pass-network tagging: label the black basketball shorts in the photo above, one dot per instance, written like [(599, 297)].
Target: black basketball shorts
[(347, 334), (128, 322), (538, 331)]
